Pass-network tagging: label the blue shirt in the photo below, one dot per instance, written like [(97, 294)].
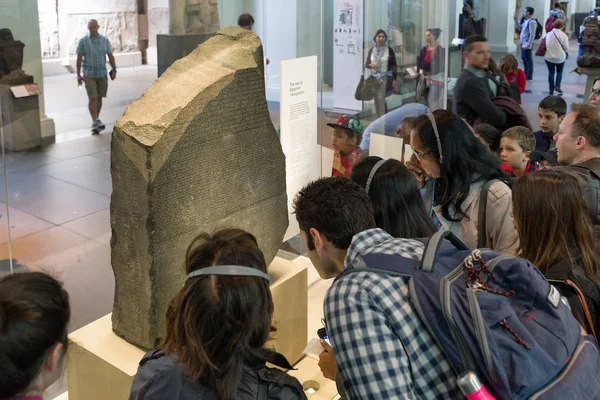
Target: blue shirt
[(528, 32), (94, 51), (382, 348), (543, 141), (388, 124)]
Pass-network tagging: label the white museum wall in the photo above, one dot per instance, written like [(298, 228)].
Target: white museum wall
[(21, 16), (279, 36), (63, 22), (158, 24)]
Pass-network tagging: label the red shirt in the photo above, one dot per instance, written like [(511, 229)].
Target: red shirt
[(343, 163), (521, 80), (529, 168)]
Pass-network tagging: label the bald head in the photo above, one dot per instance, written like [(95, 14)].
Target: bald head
[(93, 27)]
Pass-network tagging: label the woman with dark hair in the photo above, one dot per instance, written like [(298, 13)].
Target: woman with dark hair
[(216, 327), (463, 175), (555, 234), (381, 60), (397, 204), (431, 64), (34, 314)]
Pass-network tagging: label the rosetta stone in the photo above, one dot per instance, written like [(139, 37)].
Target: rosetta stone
[(196, 153)]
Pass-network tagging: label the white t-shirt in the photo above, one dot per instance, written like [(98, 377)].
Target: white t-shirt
[(556, 42)]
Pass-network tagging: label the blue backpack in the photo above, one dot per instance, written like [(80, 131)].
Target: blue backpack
[(497, 316)]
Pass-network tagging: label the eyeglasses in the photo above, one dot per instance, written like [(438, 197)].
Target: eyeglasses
[(420, 155), (595, 92)]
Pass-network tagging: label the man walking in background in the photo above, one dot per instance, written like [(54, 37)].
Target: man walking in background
[(91, 53), (527, 29)]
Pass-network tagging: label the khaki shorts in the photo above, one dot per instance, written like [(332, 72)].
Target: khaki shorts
[(96, 87)]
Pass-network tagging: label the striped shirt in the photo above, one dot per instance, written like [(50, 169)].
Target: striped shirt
[(382, 348), (94, 51)]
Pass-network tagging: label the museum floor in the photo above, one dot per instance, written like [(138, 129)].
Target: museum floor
[(59, 195)]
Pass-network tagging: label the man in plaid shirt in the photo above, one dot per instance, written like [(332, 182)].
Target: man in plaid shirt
[(382, 349), (92, 51)]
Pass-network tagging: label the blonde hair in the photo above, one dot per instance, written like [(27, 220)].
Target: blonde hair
[(523, 136), (508, 64)]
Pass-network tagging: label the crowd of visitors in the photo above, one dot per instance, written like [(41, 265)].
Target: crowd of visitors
[(469, 180)]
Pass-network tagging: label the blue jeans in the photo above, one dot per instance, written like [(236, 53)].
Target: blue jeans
[(527, 57), (559, 71)]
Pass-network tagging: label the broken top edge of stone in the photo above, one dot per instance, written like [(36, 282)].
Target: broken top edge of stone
[(146, 119)]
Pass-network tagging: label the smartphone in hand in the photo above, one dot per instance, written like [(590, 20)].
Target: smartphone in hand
[(323, 335)]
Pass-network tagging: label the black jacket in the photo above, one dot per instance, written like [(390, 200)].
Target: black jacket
[(587, 174), (159, 377), (437, 61), (564, 271), (392, 63), (472, 100)]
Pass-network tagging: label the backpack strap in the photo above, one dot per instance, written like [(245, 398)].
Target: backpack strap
[(482, 228), (585, 308), (263, 390), (432, 248), (388, 263)]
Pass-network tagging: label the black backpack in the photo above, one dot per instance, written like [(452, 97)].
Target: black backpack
[(505, 88), (539, 29)]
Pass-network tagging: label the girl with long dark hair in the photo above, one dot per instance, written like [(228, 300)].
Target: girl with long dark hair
[(217, 326), (397, 204), (34, 315), (459, 166)]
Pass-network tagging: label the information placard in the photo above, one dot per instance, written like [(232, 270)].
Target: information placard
[(347, 52), (298, 128)]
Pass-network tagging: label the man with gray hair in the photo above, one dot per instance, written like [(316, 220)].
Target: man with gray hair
[(91, 53)]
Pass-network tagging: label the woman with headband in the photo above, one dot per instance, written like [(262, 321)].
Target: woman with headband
[(397, 204), (466, 191), (217, 326)]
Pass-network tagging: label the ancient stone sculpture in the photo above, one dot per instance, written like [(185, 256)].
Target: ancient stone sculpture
[(590, 40), (193, 16), (11, 60), (471, 25), (196, 153)]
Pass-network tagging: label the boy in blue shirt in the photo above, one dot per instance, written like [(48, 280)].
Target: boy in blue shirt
[(551, 111)]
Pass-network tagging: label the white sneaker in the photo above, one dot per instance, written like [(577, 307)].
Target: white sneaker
[(95, 128)]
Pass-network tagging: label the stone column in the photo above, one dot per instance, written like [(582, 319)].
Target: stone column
[(177, 17), (23, 20), (500, 27)]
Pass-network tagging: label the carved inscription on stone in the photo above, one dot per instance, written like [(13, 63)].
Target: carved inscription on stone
[(196, 153)]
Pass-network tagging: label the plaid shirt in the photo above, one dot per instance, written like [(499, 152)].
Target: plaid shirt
[(382, 348), (94, 51)]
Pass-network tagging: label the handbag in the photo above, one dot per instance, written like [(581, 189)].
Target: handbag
[(541, 49), (366, 89), (422, 90), (561, 45)]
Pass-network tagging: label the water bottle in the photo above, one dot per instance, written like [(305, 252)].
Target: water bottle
[(472, 388)]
